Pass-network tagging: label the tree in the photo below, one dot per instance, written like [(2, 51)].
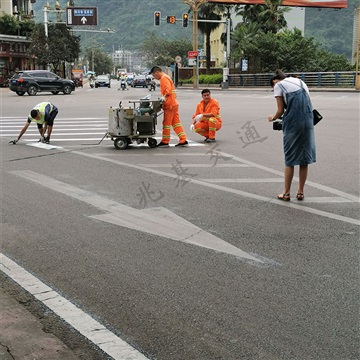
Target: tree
[(208, 12), (102, 61), (269, 16), (159, 51), (290, 51), (58, 47), (272, 17), (241, 38), (10, 25)]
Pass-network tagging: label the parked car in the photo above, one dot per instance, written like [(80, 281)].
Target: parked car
[(34, 81), (139, 80), (102, 81)]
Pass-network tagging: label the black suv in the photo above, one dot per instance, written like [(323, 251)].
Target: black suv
[(32, 81)]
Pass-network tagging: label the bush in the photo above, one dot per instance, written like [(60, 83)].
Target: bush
[(204, 79), (211, 79)]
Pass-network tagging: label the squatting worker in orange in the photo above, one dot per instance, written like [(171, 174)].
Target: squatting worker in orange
[(207, 120), (170, 107)]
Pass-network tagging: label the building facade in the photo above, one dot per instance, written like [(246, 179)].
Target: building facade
[(13, 48)]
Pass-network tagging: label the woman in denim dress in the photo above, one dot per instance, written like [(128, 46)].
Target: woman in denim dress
[(294, 105)]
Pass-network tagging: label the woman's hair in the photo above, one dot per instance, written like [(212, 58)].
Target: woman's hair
[(279, 75)]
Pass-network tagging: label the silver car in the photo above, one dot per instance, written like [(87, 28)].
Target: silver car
[(102, 81)]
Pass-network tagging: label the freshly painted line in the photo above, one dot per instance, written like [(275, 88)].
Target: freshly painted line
[(157, 221), (244, 180), (97, 333), (54, 139), (59, 130), (236, 191), (44, 146), (195, 165)]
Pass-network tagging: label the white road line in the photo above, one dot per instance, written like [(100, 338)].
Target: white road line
[(240, 192), (44, 146), (333, 199), (97, 333), (308, 183), (63, 131), (195, 165), (244, 180)]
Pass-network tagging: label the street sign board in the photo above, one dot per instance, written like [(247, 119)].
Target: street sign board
[(178, 58), (192, 61), (192, 54), (79, 16)]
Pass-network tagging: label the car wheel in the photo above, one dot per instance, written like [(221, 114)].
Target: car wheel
[(55, 92), (20, 93), (32, 90), (67, 90)]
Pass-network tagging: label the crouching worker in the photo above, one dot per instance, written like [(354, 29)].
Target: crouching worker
[(43, 114), (207, 120)]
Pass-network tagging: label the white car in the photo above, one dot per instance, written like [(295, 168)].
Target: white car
[(102, 81)]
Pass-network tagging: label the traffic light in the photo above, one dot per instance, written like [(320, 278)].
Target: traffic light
[(157, 18), (171, 19), (185, 20)]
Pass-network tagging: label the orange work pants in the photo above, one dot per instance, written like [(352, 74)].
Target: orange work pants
[(208, 127), (171, 118)]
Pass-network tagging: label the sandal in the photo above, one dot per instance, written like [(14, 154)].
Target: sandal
[(284, 197), (300, 196)]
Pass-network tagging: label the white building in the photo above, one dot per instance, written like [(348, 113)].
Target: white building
[(21, 8)]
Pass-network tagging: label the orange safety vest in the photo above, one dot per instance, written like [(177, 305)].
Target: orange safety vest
[(167, 88)]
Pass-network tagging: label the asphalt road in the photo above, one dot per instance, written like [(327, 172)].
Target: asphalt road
[(185, 253)]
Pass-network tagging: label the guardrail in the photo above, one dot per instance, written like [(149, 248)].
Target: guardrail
[(342, 79)]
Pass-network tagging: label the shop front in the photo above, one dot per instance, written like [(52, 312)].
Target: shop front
[(13, 56)]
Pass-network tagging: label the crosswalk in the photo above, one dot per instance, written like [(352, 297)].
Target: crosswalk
[(66, 132)]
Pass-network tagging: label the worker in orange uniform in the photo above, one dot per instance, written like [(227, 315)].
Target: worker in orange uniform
[(207, 120), (170, 107)]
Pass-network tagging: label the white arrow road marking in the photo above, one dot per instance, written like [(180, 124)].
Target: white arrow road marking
[(157, 221), (97, 333)]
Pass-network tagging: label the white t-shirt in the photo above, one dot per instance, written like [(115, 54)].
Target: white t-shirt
[(291, 84)]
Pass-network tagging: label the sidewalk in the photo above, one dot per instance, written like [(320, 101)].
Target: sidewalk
[(22, 336)]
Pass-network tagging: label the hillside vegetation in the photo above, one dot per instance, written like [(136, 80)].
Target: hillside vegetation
[(132, 20), (332, 27)]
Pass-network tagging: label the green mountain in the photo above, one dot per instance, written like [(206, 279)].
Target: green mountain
[(132, 20), (331, 27)]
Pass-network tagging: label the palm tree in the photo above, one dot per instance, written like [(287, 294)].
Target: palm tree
[(269, 16), (273, 16), (208, 12)]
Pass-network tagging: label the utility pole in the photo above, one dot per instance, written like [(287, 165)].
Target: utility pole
[(357, 77)]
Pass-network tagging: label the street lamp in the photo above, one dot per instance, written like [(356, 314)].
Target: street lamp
[(195, 4)]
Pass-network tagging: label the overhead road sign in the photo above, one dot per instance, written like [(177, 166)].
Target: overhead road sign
[(337, 4), (79, 16)]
